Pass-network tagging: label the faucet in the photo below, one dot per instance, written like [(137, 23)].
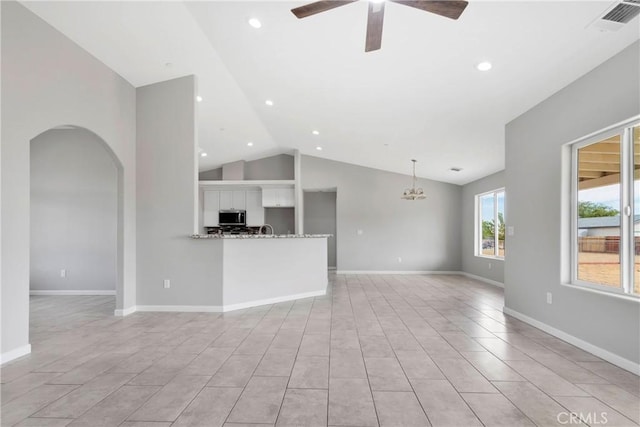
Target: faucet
[(263, 229)]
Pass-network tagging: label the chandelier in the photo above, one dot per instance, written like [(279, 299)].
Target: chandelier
[(413, 193)]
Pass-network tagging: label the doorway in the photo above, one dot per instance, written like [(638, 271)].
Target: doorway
[(74, 221), (320, 218)]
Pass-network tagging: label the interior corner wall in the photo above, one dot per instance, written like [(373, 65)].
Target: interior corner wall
[(424, 234), (603, 97), (47, 81), (488, 268), (166, 164), (74, 212)]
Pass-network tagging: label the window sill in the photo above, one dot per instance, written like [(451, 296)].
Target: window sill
[(496, 258), (623, 296)]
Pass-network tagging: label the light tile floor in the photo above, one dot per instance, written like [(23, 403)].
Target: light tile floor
[(377, 350)]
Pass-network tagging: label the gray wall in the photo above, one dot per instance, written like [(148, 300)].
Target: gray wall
[(211, 175), (233, 171), (74, 212), (281, 219), (166, 153), (537, 257), (274, 167), (320, 218), (492, 269), (48, 81), (425, 234)]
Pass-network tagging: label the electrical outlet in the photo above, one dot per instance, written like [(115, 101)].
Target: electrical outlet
[(490, 266), (63, 273), (549, 298), (400, 259), (167, 283), (511, 230)]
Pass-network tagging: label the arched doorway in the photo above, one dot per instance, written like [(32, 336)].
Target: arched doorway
[(76, 223)]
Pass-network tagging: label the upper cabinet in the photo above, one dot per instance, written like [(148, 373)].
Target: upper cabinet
[(232, 199), (278, 197), (217, 200)]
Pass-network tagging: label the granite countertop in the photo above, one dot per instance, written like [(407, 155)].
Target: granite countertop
[(258, 236)]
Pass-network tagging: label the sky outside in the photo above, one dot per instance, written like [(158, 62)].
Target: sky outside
[(609, 196), (487, 206)]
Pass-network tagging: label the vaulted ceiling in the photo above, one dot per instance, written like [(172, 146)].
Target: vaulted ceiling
[(420, 96)]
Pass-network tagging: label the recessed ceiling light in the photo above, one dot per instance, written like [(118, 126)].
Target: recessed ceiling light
[(203, 154), (199, 98), (484, 66), (269, 102), (250, 144), (255, 23), (319, 148), (315, 132)]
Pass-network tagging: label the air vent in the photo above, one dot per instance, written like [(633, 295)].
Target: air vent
[(623, 12), (616, 16)]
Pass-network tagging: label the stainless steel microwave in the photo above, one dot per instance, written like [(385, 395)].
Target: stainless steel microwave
[(232, 217)]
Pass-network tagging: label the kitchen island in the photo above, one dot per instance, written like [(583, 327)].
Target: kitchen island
[(266, 269)]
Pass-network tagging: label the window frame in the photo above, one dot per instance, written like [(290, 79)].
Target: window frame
[(478, 224), (627, 214)]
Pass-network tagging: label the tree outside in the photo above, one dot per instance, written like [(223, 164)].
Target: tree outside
[(595, 210)]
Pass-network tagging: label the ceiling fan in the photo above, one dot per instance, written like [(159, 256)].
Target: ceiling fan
[(447, 8)]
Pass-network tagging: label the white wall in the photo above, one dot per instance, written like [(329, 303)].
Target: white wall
[(74, 212), (166, 152), (424, 233), (536, 183), (48, 81), (472, 264)]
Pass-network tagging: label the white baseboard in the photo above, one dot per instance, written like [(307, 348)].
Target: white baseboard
[(15, 353), (482, 279), (395, 272), (238, 306), (71, 292), (584, 345), (125, 311), (181, 308), (218, 308)]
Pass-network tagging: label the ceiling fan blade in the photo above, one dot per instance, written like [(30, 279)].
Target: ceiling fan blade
[(447, 8), (319, 6), (374, 26)]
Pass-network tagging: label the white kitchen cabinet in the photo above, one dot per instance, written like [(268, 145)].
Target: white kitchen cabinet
[(226, 199), (255, 211), (287, 197), (278, 198), (211, 208), (239, 200), (232, 199)]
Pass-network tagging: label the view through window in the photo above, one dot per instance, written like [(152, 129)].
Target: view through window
[(608, 202), (491, 225)]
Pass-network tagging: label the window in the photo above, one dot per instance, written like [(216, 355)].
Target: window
[(490, 226), (606, 211)]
